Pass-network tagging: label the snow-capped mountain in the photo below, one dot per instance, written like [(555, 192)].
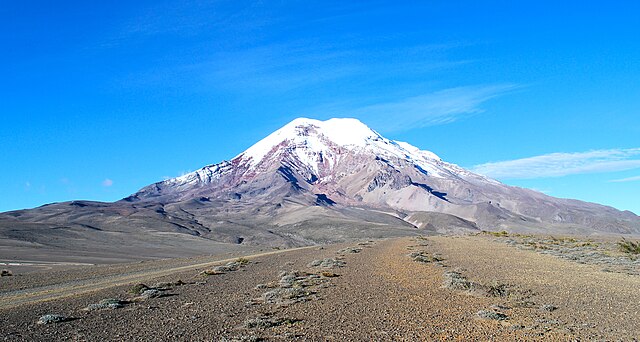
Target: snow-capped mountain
[(309, 182), (319, 146), (344, 163)]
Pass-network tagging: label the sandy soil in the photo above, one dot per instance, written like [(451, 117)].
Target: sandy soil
[(374, 291)]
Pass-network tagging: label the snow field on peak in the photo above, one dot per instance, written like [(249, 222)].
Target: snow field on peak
[(308, 138)]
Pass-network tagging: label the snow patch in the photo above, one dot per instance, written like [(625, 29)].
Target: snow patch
[(316, 143)]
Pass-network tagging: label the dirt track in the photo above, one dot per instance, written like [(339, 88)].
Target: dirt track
[(15, 298), (380, 293)]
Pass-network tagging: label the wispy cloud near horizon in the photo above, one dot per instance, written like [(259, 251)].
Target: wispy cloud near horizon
[(628, 179), (563, 164)]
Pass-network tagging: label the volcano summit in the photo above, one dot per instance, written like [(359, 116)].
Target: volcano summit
[(308, 182)]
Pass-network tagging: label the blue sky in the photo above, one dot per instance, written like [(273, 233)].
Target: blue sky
[(100, 99)]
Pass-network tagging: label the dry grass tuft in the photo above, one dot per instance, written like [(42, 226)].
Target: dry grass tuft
[(629, 247)]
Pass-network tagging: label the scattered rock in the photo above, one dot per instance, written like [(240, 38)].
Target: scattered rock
[(52, 318), (497, 316)]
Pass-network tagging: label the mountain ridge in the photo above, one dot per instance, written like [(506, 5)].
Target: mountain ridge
[(309, 182), (315, 157)]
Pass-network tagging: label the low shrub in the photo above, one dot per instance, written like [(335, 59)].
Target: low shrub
[(629, 247)]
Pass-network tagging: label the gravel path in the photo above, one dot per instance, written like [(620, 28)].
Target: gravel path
[(440, 288), (14, 298)]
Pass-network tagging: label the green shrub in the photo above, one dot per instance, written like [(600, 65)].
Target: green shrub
[(629, 247), (138, 288), (503, 233)]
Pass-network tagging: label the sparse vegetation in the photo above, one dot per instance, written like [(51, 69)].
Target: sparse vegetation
[(491, 315), (327, 263), (612, 256), (457, 281), (138, 289), (497, 290), (286, 296), (424, 257), (169, 285), (6, 273), (151, 293), (562, 240), (503, 233), (210, 272), (629, 247), (52, 318), (109, 303), (291, 288), (265, 321), (329, 274), (587, 244), (228, 267), (350, 250)]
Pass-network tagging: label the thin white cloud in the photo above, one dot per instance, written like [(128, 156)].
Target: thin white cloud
[(437, 108), (629, 179), (107, 182), (562, 164)]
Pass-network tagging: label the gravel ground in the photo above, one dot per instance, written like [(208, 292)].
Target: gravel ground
[(604, 252), (460, 288)]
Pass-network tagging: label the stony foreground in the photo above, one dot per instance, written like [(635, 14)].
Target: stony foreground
[(438, 288)]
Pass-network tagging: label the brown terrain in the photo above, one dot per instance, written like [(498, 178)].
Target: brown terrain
[(488, 286)]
